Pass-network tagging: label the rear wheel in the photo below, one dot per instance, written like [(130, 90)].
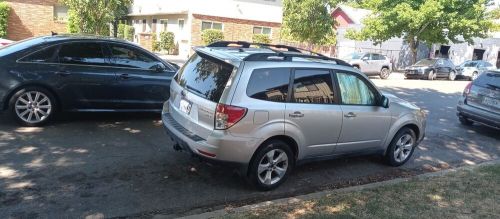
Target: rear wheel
[(452, 76), (32, 106), (271, 165), (401, 147), (465, 121), (384, 73), (474, 75)]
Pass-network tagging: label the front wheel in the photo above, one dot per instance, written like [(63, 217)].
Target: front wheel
[(431, 75), (271, 165), (32, 106), (452, 76), (401, 147), (384, 73), (474, 76)]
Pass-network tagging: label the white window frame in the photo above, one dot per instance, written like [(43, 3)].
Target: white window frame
[(183, 24), (212, 25), (164, 26), (262, 30)]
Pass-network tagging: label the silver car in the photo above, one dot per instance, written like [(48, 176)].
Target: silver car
[(473, 68), (267, 110), (372, 64)]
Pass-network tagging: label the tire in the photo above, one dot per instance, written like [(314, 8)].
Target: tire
[(474, 76), (464, 121), (33, 106), (269, 175), (401, 141), (452, 76), (385, 73), (431, 75)]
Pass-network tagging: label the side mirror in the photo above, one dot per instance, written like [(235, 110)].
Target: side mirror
[(384, 102), (364, 58), (159, 67)]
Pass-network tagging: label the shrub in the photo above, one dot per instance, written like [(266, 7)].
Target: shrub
[(129, 32), (155, 45), (261, 38), (121, 31), (4, 15), (167, 41), (211, 36)]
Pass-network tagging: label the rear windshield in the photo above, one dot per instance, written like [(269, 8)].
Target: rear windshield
[(20, 45), (488, 79), (425, 62), (205, 76)]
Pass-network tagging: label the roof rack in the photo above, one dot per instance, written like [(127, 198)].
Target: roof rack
[(278, 55)]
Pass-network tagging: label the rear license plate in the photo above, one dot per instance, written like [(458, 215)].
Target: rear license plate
[(185, 106), (491, 102)]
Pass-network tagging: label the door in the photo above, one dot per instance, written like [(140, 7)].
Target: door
[(364, 65), (143, 80), (88, 75), (365, 124), (442, 70), (313, 112)]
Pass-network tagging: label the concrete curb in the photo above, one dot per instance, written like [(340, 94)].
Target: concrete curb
[(316, 195)]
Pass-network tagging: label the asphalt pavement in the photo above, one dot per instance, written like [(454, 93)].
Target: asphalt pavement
[(123, 165)]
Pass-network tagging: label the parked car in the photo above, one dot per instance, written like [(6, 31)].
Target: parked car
[(266, 111), (480, 101), (5, 42), (432, 69), (473, 68), (371, 64), (40, 76)]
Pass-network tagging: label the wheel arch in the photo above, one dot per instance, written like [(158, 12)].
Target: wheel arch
[(287, 139), (20, 87), (409, 124)]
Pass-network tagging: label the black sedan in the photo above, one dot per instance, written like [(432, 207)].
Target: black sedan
[(432, 69), (43, 75)]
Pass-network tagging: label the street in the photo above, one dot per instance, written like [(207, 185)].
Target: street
[(123, 165)]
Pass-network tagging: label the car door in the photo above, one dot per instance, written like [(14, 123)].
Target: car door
[(364, 65), (441, 68), (88, 75), (365, 123), (143, 80), (313, 112)]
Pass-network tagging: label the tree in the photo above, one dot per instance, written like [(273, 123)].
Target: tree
[(495, 15), (308, 21), (210, 36), (261, 38), (427, 21), (4, 16), (94, 16), (167, 41)]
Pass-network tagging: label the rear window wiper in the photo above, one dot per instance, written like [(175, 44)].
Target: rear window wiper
[(194, 90)]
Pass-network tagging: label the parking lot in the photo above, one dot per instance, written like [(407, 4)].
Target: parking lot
[(117, 165)]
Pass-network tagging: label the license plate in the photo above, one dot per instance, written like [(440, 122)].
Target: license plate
[(185, 106), (491, 102)]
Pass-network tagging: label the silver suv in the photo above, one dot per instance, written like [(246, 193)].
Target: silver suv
[(267, 110), (372, 64)]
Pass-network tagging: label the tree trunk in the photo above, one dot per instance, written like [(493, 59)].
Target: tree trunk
[(115, 28), (413, 43)]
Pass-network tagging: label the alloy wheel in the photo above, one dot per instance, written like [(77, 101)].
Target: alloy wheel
[(272, 167), (33, 107), (403, 148)]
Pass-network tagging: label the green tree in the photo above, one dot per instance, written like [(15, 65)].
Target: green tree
[(261, 38), (4, 16), (94, 16), (495, 15), (167, 41), (211, 36), (309, 21), (424, 21)]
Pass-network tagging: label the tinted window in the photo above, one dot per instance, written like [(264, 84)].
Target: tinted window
[(205, 76), (124, 56), (313, 86), (20, 45), (354, 90), (378, 57), (44, 55), (269, 84), (488, 79), (82, 53)]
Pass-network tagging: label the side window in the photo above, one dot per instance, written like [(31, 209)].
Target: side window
[(367, 55), (354, 90), (82, 53), (377, 57), (269, 84), (313, 86), (45, 55), (487, 64), (124, 56)]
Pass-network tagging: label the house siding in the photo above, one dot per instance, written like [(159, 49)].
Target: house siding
[(29, 18)]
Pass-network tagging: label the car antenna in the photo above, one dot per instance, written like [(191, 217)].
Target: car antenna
[(53, 33)]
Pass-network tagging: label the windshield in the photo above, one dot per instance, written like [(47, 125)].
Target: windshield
[(353, 56), (425, 62), (19, 45)]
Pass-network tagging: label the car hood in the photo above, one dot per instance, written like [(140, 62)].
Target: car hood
[(393, 99), (417, 67)]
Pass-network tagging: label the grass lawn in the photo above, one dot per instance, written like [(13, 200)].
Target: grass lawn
[(464, 194)]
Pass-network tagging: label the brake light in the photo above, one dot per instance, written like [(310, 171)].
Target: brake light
[(467, 89), (226, 115)]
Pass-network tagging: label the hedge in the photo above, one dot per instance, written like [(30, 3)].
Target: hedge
[(121, 31), (167, 41), (4, 15), (210, 36), (129, 32), (261, 38)]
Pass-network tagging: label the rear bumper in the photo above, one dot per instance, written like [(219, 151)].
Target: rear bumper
[(478, 115), (224, 149)]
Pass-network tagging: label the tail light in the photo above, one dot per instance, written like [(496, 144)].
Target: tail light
[(467, 89), (226, 116)]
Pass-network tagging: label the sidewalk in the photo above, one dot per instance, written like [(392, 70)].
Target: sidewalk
[(471, 191)]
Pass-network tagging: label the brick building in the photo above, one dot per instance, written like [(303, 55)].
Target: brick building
[(29, 18), (238, 20)]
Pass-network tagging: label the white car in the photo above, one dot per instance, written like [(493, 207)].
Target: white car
[(473, 68)]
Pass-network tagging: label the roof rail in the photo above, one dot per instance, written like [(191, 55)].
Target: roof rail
[(284, 55)]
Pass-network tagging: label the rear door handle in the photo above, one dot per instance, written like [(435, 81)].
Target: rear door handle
[(63, 73), (296, 114), (124, 76), (350, 115)]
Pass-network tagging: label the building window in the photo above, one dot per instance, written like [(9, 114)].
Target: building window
[(61, 12), (210, 25), (144, 25), (164, 24), (181, 24), (262, 30)]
